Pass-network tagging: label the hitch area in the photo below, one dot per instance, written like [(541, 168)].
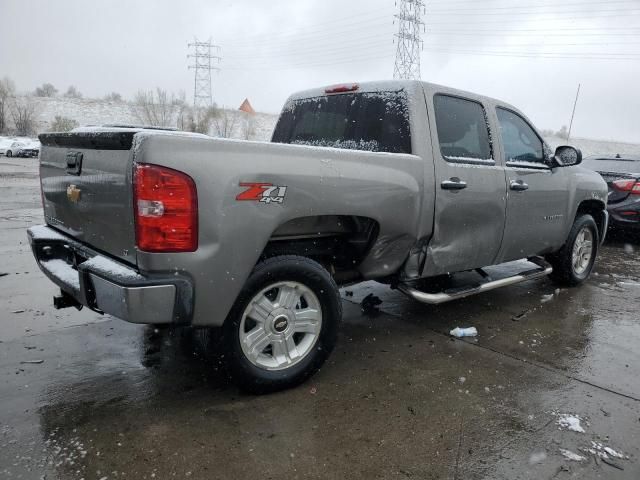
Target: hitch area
[(464, 284), (64, 300)]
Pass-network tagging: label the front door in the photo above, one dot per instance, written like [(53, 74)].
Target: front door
[(537, 195), (470, 188)]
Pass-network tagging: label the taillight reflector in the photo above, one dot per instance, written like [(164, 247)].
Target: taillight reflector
[(352, 87), (166, 210), (631, 186)]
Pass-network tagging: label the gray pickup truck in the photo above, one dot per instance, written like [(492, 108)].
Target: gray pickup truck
[(404, 182)]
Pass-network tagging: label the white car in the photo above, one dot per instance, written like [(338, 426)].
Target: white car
[(11, 149)]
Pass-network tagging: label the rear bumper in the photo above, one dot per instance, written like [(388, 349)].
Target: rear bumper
[(625, 215), (108, 286)]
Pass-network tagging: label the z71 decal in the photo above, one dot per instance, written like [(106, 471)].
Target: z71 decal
[(262, 192)]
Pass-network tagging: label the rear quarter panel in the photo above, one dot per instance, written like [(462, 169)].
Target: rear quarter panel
[(320, 181)]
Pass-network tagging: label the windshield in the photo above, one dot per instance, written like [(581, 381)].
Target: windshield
[(376, 122)]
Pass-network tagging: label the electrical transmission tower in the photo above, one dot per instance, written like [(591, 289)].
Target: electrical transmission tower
[(204, 62), (409, 17)]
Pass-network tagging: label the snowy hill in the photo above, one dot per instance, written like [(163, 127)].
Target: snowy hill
[(100, 112)]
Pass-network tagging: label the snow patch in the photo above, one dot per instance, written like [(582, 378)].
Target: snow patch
[(63, 272), (568, 454), (570, 422), (108, 267)]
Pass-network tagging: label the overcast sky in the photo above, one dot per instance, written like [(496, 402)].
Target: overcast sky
[(531, 53)]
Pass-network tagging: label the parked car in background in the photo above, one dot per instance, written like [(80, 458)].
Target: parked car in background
[(11, 149), (622, 174), (31, 150)]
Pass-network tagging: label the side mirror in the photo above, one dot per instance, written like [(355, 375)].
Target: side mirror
[(567, 156)]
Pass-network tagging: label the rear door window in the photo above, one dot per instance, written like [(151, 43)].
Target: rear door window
[(521, 143), (377, 122), (463, 132)]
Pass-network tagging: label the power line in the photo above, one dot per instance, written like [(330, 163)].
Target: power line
[(534, 5), (467, 12), (271, 66), (544, 55)]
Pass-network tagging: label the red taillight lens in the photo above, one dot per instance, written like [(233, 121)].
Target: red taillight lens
[(342, 88), (631, 186), (166, 210)]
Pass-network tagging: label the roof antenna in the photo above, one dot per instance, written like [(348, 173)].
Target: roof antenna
[(573, 113)]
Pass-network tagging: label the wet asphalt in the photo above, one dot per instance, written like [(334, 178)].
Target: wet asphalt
[(87, 396)]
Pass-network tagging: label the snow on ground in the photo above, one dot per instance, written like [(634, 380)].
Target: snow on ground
[(568, 454), (596, 147), (570, 422)]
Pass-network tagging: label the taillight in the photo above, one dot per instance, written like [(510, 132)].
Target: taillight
[(342, 88), (166, 210), (631, 186)]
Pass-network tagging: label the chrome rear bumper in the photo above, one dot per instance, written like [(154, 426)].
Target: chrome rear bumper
[(108, 286)]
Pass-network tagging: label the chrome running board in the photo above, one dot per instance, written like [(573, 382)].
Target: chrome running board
[(457, 293)]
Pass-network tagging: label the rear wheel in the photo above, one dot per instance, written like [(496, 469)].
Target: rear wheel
[(573, 263), (284, 324)]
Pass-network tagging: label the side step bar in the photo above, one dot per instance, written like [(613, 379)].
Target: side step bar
[(454, 294)]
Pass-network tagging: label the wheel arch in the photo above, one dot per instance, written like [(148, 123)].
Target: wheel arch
[(597, 209), (338, 242)]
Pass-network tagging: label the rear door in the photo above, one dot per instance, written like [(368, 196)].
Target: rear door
[(537, 195), (86, 188), (470, 187)]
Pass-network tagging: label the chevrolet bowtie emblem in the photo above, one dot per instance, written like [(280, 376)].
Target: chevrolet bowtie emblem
[(73, 193)]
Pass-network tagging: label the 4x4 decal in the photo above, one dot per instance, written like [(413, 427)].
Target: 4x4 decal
[(262, 192)]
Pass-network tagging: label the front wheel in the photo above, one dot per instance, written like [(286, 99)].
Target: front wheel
[(9, 154), (573, 263), (283, 325)]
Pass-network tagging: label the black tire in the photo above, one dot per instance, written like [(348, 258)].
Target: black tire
[(564, 272), (285, 268), (9, 154)]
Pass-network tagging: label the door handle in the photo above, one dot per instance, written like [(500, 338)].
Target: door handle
[(453, 183), (518, 185)]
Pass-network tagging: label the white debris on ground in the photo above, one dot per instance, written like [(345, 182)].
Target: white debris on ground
[(628, 248), (464, 332), (603, 451), (569, 455), (546, 298), (537, 457), (569, 422)]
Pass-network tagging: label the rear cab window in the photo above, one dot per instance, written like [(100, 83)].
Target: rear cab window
[(371, 121), (463, 130)]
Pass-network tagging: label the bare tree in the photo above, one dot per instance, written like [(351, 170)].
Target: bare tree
[(199, 120), (72, 92), (248, 126), (562, 133), (63, 124), (46, 90), (113, 97), (224, 123), (158, 109), (7, 91), (24, 117), (182, 111)]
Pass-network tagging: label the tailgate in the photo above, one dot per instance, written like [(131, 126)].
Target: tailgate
[(86, 187)]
